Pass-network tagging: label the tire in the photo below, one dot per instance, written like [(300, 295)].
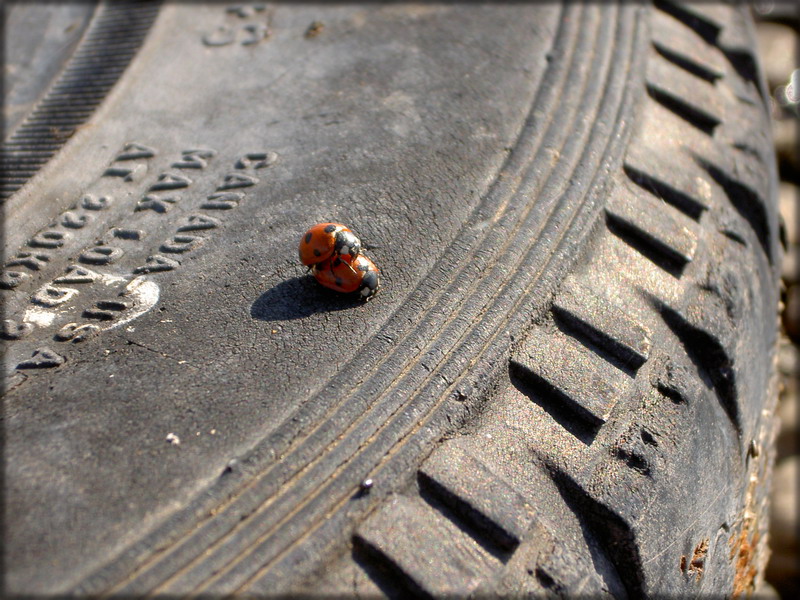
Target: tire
[(566, 384)]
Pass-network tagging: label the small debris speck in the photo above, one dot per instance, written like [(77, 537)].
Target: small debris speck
[(314, 29), (753, 449), (173, 439)]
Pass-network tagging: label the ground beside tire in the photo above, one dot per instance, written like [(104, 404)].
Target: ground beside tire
[(778, 28)]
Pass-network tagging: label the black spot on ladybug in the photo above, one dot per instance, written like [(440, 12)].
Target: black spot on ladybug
[(370, 280), (308, 237), (317, 252), (336, 262), (330, 229), (339, 281)]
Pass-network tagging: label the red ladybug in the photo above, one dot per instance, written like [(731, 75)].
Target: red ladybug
[(359, 275), (328, 241)]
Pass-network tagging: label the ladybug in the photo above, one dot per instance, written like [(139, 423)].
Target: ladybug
[(328, 241), (359, 275)]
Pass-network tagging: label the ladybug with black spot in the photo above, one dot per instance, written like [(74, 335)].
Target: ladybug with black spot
[(359, 275), (328, 241)]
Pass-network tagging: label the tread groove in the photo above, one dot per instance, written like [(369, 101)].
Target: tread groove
[(688, 205), (431, 552), (660, 254), (746, 202), (563, 409), (710, 359), (693, 115), (656, 222), (494, 513), (386, 575), (702, 27), (606, 533), (598, 341), (483, 531), (591, 314), (686, 63)]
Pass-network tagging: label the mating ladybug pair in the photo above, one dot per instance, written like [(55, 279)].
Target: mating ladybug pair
[(333, 253)]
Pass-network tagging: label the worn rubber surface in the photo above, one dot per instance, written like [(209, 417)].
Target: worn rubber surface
[(565, 385)]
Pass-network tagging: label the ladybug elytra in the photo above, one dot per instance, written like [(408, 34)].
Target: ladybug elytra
[(358, 275), (328, 241)]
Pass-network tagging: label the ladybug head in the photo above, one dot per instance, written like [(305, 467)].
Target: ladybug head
[(347, 244), (369, 285)]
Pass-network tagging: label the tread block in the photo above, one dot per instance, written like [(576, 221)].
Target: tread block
[(570, 376), (709, 345), (429, 551), (671, 177), (669, 235), (664, 134), (742, 193), (695, 100), (706, 25), (473, 490), (686, 49), (603, 322)]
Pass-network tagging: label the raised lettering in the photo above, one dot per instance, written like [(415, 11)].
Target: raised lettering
[(52, 296), (198, 222), (237, 180), (77, 274), (73, 221), (134, 151), (170, 181), (159, 204), (257, 160), (257, 32), (181, 243), (105, 310), (194, 159), (222, 36), (11, 279), (133, 173), (76, 332), (223, 201), (244, 11), (127, 234), (91, 202), (156, 264), (29, 260), (48, 239), (101, 255), (11, 330), (42, 358)]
